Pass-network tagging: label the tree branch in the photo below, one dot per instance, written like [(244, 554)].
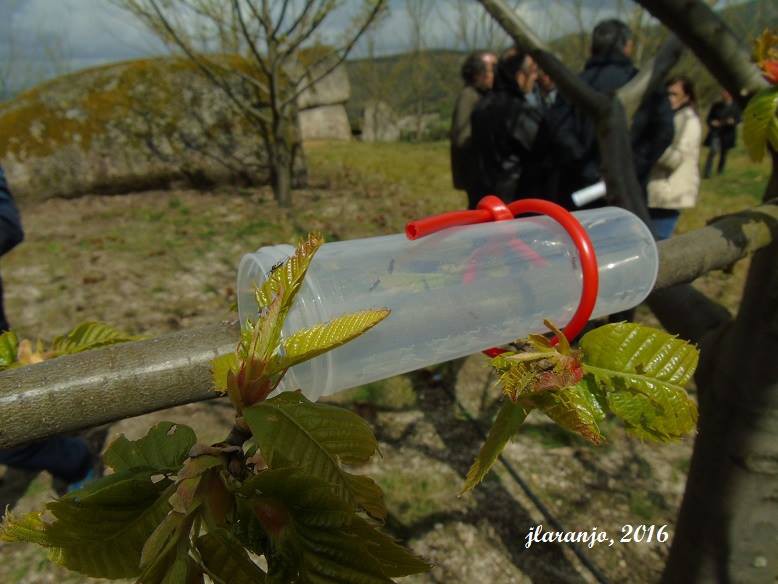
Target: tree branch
[(79, 391), (712, 41), (280, 20), (204, 65), (686, 257), (337, 55), (575, 90), (250, 41), (651, 75)]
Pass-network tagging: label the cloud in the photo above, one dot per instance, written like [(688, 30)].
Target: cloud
[(86, 29), (82, 33)]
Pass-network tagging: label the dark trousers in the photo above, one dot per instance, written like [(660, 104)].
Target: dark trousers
[(715, 148), (66, 458), (664, 221)]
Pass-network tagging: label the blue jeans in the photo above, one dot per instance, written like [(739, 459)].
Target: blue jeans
[(664, 222), (66, 458)]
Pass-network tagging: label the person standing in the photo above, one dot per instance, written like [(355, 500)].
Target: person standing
[(504, 125), (723, 118), (567, 154), (674, 183), (11, 235), (68, 459), (478, 75)]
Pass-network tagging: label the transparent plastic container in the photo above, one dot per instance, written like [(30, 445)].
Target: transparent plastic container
[(452, 293)]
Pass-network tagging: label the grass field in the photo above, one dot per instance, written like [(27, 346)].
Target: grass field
[(159, 261)]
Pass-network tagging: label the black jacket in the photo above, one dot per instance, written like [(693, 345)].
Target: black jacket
[(504, 126), (566, 155), (463, 167), (11, 233), (726, 132)]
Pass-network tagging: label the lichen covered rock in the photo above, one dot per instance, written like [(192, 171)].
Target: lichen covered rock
[(130, 126)]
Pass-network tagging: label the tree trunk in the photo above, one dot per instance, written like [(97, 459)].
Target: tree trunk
[(281, 176), (727, 528)]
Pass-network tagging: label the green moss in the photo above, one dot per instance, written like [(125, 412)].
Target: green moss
[(78, 107)]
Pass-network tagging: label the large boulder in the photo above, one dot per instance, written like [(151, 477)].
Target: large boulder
[(322, 106), (326, 122), (142, 124), (380, 123)]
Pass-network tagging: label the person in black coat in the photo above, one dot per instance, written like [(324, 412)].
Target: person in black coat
[(478, 75), (67, 458), (566, 155), (723, 118), (504, 124), (11, 234)]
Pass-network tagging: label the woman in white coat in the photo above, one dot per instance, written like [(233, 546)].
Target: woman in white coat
[(674, 182)]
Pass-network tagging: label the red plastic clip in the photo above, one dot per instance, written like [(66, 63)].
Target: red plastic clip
[(492, 208)]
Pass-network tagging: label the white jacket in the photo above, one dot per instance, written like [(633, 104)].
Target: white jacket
[(674, 182)]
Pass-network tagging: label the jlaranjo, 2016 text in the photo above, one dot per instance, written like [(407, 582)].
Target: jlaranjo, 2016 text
[(595, 536)]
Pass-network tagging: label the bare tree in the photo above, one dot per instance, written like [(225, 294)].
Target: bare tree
[(263, 54), (419, 13), (471, 25), (7, 67)]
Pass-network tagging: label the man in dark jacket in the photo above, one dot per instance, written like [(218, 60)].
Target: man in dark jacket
[(566, 156), (478, 75), (723, 118), (504, 127)]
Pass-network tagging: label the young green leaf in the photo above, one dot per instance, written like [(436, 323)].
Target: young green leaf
[(252, 381), (162, 541), (760, 123), (574, 408), (309, 343), (9, 349), (102, 533), (247, 528), (89, 335), (224, 556), (395, 561), (316, 536), (163, 449), (309, 555), (121, 488), (221, 367), (289, 276), (309, 498), (509, 419), (539, 366), (317, 438), (644, 372), (176, 567)]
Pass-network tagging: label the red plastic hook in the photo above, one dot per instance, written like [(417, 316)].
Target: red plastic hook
[(492, 208)]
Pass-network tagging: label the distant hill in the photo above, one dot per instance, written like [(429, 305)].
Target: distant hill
[(407, 82), (429, 82)]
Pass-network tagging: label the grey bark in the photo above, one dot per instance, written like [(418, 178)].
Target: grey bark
[(712, 41), (79, 391), (727, 529)]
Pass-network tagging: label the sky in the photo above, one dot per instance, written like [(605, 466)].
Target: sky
[(41, 38)]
